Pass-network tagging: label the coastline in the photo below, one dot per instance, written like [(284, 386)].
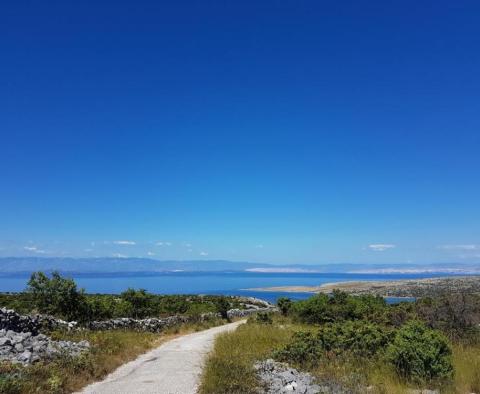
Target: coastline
[(389, 288)]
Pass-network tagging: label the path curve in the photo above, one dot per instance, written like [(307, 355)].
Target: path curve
[(172, 368)]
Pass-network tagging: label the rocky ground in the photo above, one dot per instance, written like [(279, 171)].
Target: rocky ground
[(279, 378), (396, 288)]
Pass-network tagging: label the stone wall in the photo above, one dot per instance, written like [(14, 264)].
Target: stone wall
[(25, 348), (159, 324), (10, 320), (21, 341)]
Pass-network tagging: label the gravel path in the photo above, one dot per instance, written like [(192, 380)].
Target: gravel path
[(172, 368)]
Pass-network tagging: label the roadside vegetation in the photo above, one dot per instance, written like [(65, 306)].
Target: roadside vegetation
[(60, 297), (360, 342)]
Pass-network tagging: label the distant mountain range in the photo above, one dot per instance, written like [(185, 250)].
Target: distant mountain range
[(12, 266)]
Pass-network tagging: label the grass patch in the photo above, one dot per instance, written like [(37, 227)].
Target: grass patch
[(109, 350), (466, 360), (229, 368)]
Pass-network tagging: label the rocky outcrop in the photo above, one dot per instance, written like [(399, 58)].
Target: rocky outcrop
[(279, 378), (253, 303)]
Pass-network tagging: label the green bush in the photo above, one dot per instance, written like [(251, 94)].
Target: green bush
[(140, 302), (222, 305), (263, 318), (359, 338), (353, 338), (419, 353), (322, 308), (303, 349), (284, 304)]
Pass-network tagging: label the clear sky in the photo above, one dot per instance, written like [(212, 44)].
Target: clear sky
[(274, 131)]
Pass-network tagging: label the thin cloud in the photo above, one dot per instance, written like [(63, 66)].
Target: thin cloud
[(150, 254), (381, 247), (163, 243), (203, 253), (259, 246), (34, 249), (120, 256), (469, 256), (460, 247), (124, 242)]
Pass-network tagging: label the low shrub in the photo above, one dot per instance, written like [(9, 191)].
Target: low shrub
[(263, 318), (339, 306), (420, 354), (284, 304), (303, 349), (352, 338)]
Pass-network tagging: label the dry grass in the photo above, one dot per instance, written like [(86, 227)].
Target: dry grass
[(229, 368), (466, 360)]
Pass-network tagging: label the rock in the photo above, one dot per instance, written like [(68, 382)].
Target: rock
[(25, 357), (17, 339), (279, 378)]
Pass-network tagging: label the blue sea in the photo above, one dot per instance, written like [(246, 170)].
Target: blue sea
[(227, 283)]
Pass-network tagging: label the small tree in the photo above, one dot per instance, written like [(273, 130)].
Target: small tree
[(57, 296), (140, 301), (284, 304), (222, 305), (419, 353)]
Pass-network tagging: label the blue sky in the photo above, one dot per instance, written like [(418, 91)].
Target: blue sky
[(273, 131)]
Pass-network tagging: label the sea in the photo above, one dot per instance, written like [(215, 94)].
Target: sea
[(226, 283)]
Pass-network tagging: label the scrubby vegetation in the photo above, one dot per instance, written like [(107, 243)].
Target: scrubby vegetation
[(359, 342), (60, 297)]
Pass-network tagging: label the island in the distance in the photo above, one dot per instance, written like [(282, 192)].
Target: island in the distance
[(393, 288)]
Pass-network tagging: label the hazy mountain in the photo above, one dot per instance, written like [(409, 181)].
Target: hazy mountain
[(107, 264), (26, 265)]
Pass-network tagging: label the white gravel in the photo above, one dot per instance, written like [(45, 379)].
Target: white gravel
[(172, 368)]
